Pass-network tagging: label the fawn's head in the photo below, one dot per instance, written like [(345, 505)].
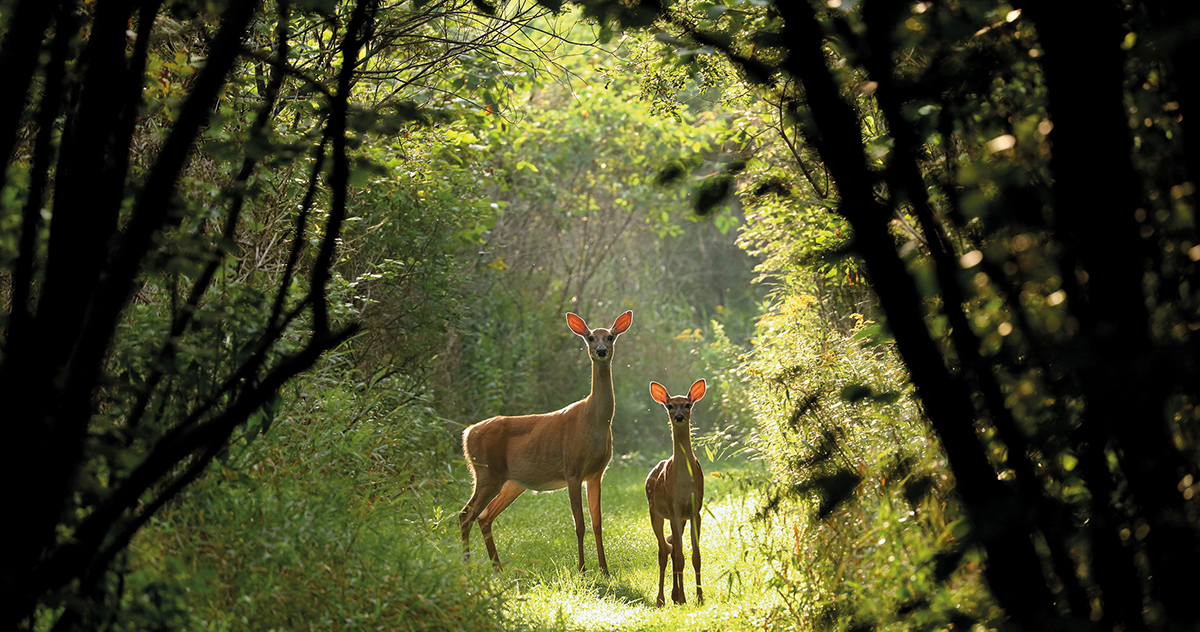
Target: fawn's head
[(679, 407), (600, 341)]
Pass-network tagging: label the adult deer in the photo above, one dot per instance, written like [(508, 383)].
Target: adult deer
[(565, 448), (675, 490)]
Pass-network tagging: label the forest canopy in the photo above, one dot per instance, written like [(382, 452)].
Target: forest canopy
[(260, 263)]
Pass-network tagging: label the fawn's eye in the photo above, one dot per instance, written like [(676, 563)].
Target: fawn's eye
[(687, 406), (591, 339), (610, 338)]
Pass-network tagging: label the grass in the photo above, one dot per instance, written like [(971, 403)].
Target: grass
[(535, 539), (314, 527)]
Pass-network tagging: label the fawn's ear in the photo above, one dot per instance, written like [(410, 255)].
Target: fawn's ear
[(696, 392), (659, 393), (577, 325), (622, 323)]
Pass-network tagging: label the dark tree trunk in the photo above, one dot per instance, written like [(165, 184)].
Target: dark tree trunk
[(1096, 194), (1001, 522), (59, 337)]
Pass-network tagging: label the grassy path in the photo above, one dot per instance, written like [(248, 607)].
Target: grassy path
[(536, 542)]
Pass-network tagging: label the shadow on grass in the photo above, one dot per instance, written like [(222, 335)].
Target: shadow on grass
[(619, 588)]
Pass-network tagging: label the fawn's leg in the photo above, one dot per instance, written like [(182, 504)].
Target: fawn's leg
[(677, 594), (664, 550), (696, 557)]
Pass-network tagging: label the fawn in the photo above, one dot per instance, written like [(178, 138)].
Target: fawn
[(566, 448), (675, 491)]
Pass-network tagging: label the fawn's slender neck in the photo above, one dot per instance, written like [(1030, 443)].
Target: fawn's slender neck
[(681, 436), (601, 401)]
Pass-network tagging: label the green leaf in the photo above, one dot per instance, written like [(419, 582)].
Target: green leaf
[(960, 529)]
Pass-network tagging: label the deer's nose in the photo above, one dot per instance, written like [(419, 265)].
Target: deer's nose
[(601, 352), (678, 416)]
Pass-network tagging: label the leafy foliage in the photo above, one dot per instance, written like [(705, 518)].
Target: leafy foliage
[(859, 479), (180, 180), (582, 226), (1020, 295)]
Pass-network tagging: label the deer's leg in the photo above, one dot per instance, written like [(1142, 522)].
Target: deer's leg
[(677, 594), (575, 490), (664, 550), (486, 488), (508, 493), (593, 499), (696, 557)]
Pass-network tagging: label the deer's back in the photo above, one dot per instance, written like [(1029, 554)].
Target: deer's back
[(537, 451)]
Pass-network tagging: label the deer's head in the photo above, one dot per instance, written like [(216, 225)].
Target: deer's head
[(600, 341), (679, 407)]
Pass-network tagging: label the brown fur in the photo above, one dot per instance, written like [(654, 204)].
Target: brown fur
[(568, 448), (675, 491)]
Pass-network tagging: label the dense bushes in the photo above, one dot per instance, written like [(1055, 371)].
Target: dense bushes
[(858, 479)]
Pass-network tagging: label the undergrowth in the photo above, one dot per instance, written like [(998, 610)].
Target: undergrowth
[(325, 523)]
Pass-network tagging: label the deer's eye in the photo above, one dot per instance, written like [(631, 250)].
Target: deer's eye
[(591, 339), (610, 338), (687, 406)]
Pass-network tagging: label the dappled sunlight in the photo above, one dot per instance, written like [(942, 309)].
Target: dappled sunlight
[(549, 607)]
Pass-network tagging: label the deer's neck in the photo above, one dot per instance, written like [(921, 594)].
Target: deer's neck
[(681, 436), (601, 400)]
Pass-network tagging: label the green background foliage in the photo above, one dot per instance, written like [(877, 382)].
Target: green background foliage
[(951, 384)]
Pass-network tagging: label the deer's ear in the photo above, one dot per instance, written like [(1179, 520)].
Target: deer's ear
[(622, 323), (658, 392), (696, 393), (577, 325)]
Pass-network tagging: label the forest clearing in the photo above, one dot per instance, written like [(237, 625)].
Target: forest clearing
[(296, 296)]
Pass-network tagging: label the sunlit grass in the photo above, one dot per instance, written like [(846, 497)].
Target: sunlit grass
[(295, 547), (536, 542)]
